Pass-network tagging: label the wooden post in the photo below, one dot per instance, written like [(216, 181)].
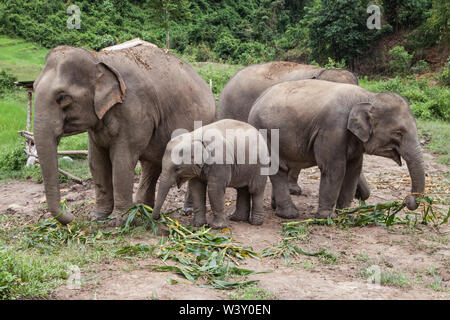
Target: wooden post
[(29, 109)]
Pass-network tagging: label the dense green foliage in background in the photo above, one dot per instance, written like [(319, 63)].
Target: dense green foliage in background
[(233, 31)]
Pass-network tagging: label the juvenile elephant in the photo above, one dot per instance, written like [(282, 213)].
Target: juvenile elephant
[(244, 88), (129, 101), (230, 140), (331, 125)]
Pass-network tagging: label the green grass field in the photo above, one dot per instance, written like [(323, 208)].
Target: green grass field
[(26, 60)]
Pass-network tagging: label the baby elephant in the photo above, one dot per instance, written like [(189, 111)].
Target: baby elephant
[(226, 153)]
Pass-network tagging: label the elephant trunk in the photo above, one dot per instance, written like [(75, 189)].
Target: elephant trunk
[(414, 159), (163, 190), (46, 135)]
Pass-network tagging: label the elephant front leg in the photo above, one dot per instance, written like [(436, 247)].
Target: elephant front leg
[(242, 211), (123, 164), (294, 188), (198, 191), (188, 202), (331, 179), (101, 171), (216, 194), (349, 184)]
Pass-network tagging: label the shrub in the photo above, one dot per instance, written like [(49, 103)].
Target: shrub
[(14, 160), (6, 82), (420, 66), (401, 60), (204, 53), (444, 75), (226, 46), (427, 102)]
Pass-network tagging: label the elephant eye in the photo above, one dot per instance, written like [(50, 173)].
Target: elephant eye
[(64, 100), (398, 134)]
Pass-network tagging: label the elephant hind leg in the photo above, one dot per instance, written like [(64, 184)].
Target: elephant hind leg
[(363, 189), (242, 211), (257, 215), (147, 183), (285, 208), (294, 188)]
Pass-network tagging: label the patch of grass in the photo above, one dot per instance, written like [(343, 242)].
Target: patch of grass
[(396, 279), (385, 278), (306, 265), (35, 259), (217, 72), (252, 292), (329, 257), (364, 257), (438, 134), (23, 59)]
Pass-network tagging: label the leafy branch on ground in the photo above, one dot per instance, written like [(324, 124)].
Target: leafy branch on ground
[(201, 254), (386, 214)]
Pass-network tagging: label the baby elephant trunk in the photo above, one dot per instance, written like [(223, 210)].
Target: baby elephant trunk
[(163, 190)]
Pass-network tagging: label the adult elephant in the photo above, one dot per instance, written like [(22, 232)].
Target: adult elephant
[(244, 88), (129, 101), (332, 125)]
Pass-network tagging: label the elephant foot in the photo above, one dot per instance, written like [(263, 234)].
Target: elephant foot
[(325, 213), (218, 223), (295, 189), (362, 193), (256, 219), (239, 216), (289, 212), (98, 216), (198, 222), (188, 210), (117, 219)]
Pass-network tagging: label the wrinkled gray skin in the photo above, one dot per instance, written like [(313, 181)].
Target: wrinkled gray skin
[(129, 101), (242, 90), (206, 174), (332, 125)]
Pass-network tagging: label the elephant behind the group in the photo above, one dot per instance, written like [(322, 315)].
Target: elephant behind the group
[(129, 101), (244, 88), (332, 125)]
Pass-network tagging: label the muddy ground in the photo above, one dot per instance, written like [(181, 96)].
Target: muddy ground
[(416, 264)]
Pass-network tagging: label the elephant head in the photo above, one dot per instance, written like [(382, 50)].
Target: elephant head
[(337, 75), (179, 165), (386, 127), (73, 93)]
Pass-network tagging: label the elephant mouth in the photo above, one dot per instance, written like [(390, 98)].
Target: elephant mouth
[(391, 154)]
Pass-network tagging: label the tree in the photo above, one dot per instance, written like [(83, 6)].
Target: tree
[(165, 11), (337, 29)]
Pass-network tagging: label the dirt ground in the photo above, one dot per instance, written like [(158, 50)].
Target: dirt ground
[(422, 256)]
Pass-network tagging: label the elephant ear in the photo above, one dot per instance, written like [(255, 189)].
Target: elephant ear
[(109, 89), (359, 121)]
